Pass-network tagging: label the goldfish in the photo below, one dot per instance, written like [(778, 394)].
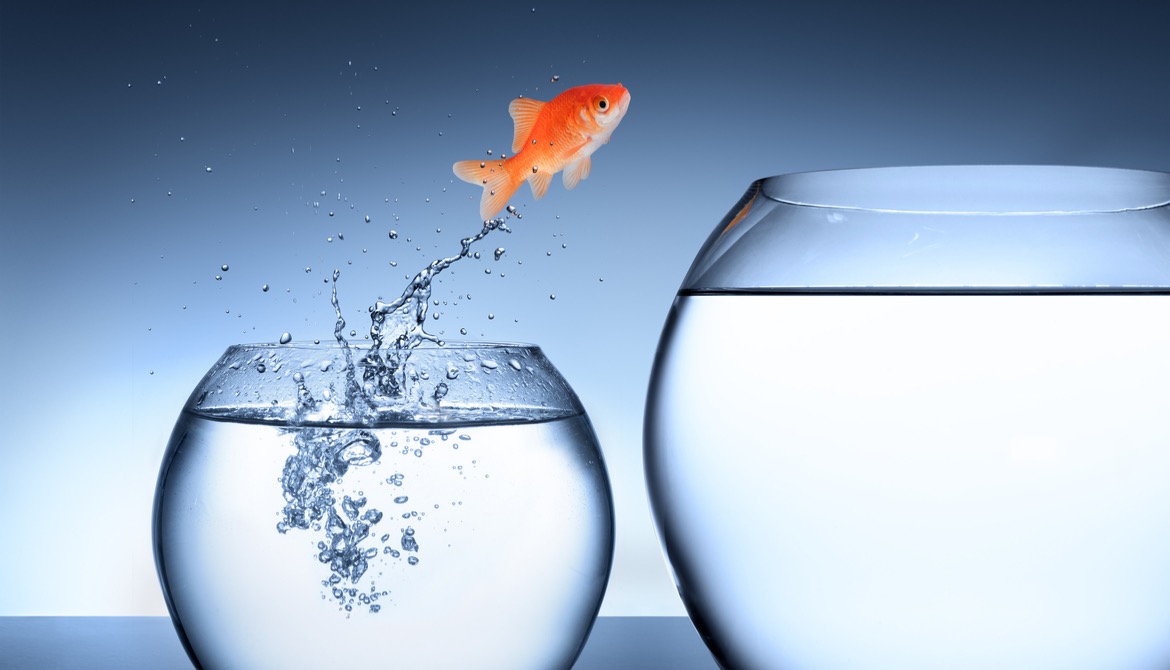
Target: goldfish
[(549, 137)]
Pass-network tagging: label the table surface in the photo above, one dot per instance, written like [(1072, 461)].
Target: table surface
[(150, 643)]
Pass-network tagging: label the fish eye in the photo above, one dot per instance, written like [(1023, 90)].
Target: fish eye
[(602, 104)]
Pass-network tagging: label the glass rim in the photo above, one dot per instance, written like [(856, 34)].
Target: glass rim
[(950, 189), (943, 228), (365, 345)]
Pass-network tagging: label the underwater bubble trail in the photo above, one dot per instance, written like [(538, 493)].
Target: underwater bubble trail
[(324, 455)]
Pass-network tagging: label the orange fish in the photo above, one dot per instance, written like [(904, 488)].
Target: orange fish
[(550, 136)]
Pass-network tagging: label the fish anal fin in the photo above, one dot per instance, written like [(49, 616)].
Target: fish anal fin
[(576, 171), (539, 182), (524, 112)]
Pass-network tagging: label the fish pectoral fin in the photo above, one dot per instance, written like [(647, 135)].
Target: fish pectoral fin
[(539, 182), (576, 171), (523, 112)]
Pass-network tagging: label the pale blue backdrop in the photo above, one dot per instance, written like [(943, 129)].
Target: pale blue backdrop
[(145, 145)]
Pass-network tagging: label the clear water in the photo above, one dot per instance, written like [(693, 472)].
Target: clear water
[(917, 481), (409, 546)]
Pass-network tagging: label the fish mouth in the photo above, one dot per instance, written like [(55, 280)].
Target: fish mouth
[(624, 102)]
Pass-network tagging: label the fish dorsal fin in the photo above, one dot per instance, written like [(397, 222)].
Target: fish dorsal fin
[(576, 171), (539, 182), (524, 112)]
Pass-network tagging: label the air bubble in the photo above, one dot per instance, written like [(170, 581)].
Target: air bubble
[(408, 541), (285, 338)]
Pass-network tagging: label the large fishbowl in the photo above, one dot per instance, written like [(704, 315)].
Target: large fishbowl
[(919, 418), (328, 506)]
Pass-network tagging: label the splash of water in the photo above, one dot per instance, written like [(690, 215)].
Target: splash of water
[(324, 455), (401, 323)]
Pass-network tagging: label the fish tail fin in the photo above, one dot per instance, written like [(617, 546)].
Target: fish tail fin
[(496, 179)]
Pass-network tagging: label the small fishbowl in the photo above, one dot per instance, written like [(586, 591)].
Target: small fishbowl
[(917, 418), (332, 505)]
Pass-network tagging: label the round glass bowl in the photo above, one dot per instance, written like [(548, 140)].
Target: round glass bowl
[(916, 418), (442, 507)]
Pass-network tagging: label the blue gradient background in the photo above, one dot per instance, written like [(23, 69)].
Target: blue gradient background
[(113, 229)]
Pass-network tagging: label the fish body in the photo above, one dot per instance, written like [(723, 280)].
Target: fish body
[(550, 137)]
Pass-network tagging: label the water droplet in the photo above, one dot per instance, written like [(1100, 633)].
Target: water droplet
[(208, 168), (367, 218), (534, 168), (462, 331), (413, 560), (224, 267), (514, 363), (393, 234), (552, 296), (264, 288), (555, 78), (491, 316), (489, 364), (511, 209), (260, 367), (489, 152), (218, 277), (499, 252), (285, 338)]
